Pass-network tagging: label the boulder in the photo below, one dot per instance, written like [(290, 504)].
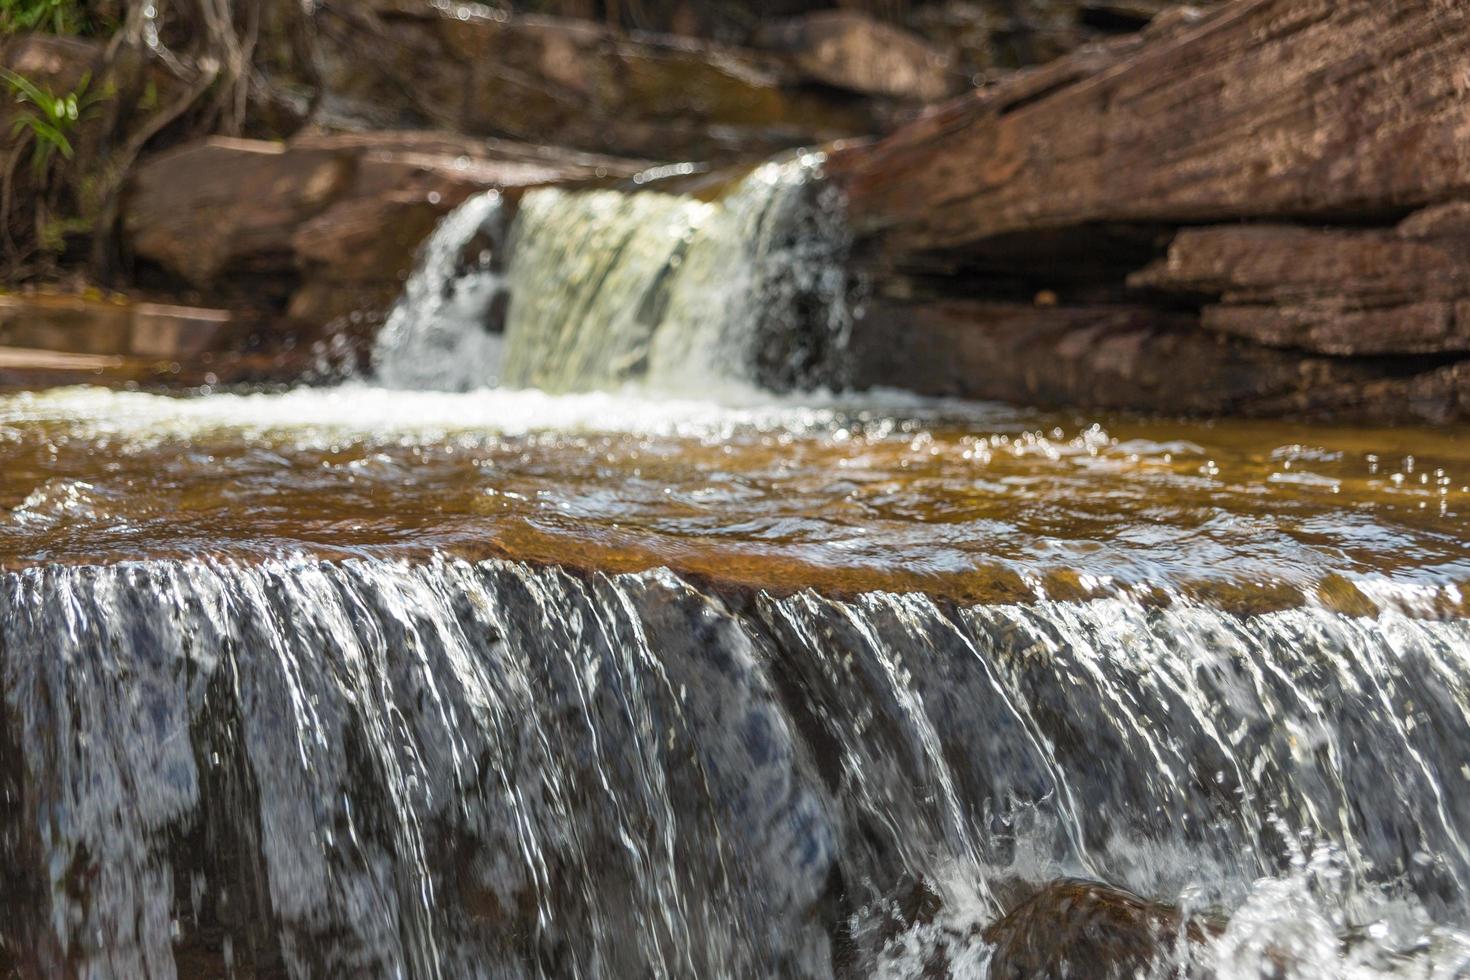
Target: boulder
[(327, 224), (851, 50), (576, 83), (221, 204)]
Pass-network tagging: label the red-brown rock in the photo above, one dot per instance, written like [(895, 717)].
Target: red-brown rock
[(575, 83), (851, 50), (1334, 291), (1257, 109), (222, 203), (333, 219)]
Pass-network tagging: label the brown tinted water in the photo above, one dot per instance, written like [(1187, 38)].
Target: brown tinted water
[(883, 492)]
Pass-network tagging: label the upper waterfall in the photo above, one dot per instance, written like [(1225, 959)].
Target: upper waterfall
[(609, 287), (435, 336)]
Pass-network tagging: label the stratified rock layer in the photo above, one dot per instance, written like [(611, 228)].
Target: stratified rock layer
[(1111, 187)]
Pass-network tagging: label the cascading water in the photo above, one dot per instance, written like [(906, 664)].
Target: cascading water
[(608, 288), (487, 769), (634, 683), (438, 335)]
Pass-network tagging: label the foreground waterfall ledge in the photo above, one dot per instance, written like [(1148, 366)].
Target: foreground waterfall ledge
[(491, 769)]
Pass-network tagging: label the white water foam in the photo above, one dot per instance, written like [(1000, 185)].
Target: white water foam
[(437, 335), (315, 417)]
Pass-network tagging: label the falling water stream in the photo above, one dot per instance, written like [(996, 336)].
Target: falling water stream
[(564, 647)]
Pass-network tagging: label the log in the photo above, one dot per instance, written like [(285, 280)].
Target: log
[(1327, 109)]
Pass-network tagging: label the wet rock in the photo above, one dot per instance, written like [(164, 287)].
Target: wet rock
[(1101, 357), (71, 324), (53, 339), (1085, 929), (355, 256), (80, 325), (1437, 396), (174, 332), (848, 49), (911, 907)]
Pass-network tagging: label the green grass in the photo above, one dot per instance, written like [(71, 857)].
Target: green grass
[(50, 119)]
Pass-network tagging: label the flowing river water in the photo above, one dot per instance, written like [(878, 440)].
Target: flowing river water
[(569, 648)]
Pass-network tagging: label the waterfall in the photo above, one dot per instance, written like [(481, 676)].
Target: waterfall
[(608, 288), (439, 334), (490, 769)]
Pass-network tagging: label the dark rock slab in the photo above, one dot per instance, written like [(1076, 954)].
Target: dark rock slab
[(1333, 291), (1105, 357)]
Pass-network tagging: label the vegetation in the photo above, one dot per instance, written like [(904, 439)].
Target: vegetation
[(67, 17), (47, 121), (163, 72)]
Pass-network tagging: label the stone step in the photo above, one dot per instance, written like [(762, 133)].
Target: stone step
[(95, 326)]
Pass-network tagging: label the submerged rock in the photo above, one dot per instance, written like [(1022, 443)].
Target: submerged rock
[(1085, 929)]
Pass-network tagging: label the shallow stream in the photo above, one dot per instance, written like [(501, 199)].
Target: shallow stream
[(648, 671)]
